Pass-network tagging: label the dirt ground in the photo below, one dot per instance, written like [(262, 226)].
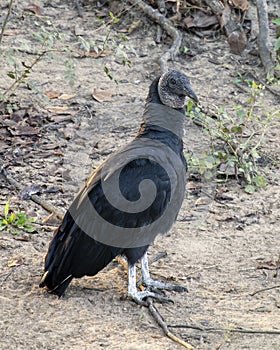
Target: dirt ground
[(215, 249)]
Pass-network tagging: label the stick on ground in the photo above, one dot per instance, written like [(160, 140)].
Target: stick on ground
[(167, 26), (263, 38), (233, 330), (37, 199)]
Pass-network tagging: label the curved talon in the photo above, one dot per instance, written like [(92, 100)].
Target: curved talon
[(139, 282), (150, 283), (139, 297), (154, 289)]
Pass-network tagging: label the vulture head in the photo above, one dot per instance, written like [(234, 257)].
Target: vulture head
[(173, 87)]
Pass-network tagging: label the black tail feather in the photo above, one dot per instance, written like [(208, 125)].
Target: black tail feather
[(73, 254), (61, 288)]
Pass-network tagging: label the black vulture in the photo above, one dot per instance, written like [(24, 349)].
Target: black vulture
[(129, 199)]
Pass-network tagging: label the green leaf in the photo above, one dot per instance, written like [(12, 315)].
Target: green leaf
[(222, 155), (5, 222), (241, 114), (184, 49), (208, 174), (11, 218), (277, 45), (249, 189), (259, 181), (236, 129), (255, 154), (29, 229), (6, 209), (190, 106), (21, 219), (107, 71), (11, 75), (276, 21), (236, 81), (115, 19)]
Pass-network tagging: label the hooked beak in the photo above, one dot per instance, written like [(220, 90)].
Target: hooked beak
[(191, 94)]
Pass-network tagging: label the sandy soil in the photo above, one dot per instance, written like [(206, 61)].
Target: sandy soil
[(214, 249)]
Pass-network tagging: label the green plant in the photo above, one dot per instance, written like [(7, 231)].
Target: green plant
[(19, 77), (235, 140), (16, 222)]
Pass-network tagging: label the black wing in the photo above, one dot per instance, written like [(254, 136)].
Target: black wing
[(73, 252)]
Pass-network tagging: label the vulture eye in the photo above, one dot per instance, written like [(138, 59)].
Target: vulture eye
[(172, 81)]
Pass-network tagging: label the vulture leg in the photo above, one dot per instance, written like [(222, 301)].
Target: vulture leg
[(152, 284), (139, 296)]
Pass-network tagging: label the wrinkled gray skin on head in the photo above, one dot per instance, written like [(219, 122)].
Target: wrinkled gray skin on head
[(173, 87)]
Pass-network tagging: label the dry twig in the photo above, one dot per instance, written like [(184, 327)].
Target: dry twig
[(78, 7), (8, 274), (156, 315), (44, 204), (232, 330), (263, 38), (264, 290), (6, 20), (167, 26)]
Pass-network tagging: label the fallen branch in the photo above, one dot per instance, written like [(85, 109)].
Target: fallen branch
[(44, 204), (264, 290), (156, 315), (263, 38), (8, 275), (167, 26), (78, 7), (233, 330), (6, 20)]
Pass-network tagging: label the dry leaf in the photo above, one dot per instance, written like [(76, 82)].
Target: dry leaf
[(52, 94), (268, 265), (237, 41), (69, 132), (79, 31), (34, 9), (58, 153), (60, 118), (14, 262), (11, 32), (61, 110), (57, 109), (134, 25), (225, 18), (200, 20), (202, 201), (240, 4), (24, 131), (103, 95), (100, 53), (65, 97)]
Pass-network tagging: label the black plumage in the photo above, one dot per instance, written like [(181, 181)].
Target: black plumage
[(81, 245)]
